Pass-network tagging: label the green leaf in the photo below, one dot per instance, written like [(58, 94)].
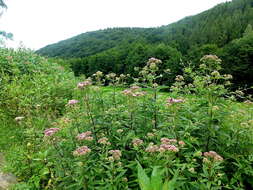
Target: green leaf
[(143, 179), (44, 171), (156, 178), (166, 186), (172, 183)]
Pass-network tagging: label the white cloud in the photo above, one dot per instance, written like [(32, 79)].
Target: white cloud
[(41, 22)]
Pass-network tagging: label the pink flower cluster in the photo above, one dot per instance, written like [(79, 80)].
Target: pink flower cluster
[(154, 60), (72, 102), (168, 147), (162, 148), (212, 155), (85, 136), (81, 151), (152, 148), (172, 141), (51, 131), (135, 87), (104, 141), (137, 142), (134, 92), (171, 101), (81, 85), (168, 141), (116, 154)]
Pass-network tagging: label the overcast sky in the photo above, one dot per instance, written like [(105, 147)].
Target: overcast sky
[(41, 22)]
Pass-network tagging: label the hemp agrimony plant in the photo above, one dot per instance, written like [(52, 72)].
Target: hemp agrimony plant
[(208, 82), (149, 77)]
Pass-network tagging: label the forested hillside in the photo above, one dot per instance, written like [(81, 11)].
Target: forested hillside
[(121, 49), (218, 25)]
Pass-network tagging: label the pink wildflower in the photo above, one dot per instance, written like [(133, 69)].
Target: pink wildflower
[(137, 142), (133, 92), (51, 131), (72, 102), (127, 92), (154, 60), (81, 151), (116, 154), (213, 155), (168, 141), (171, 101), (81, 85), (85, 136), (135, 87), (104, 141), (181, 143), (167, 147), (152, 148), (138, 94)]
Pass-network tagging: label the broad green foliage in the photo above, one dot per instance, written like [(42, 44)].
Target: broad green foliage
[(60, 134), (155, 182)]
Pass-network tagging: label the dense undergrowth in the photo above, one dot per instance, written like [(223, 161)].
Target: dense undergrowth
[(60, 134)]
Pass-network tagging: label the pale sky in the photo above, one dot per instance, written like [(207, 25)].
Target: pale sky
[(38, 23)]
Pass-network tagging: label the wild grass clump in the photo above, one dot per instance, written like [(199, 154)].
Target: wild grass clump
[(84, 136)]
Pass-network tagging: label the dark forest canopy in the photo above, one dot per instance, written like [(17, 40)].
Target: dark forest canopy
[(121, 49)]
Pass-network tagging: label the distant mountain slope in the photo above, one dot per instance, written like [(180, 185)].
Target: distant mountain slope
[(90, 43), (219, 25)]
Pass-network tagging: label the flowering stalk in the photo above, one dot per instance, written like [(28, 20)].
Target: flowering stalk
[(155, 102), (171, 102), (86, 100), (112, 77), (48, 133), (131, 106)]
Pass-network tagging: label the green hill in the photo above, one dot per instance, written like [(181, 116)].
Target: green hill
[(219, 25)]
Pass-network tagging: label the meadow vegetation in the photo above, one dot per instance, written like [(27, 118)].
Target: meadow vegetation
[(119, 132)]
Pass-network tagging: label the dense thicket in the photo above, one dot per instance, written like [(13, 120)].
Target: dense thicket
[(121, 49)]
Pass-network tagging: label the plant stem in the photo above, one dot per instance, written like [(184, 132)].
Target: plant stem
[(90, 116), (155, 111)]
